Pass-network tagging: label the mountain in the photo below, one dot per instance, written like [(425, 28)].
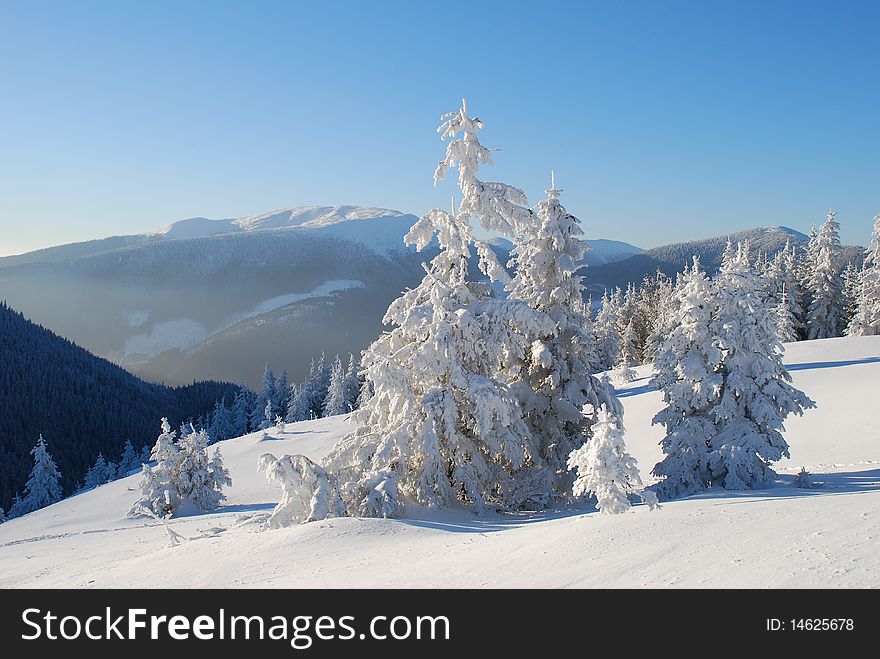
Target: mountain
[(218, 299), (777, 537), (672, 259), (82, 404), (601, 251)]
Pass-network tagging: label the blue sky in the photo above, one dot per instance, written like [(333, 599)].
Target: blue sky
[(664, 120)]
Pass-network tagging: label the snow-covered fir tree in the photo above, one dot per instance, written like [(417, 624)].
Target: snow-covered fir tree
[(129, 460), (297, 404), (783, 275), (222, 426), (239, 413), (352, 383), (825, 316), (336, 400), (200, 479), (268, 416), (266, 395), (756, 394), (686, 370), (159, 494), (43, 486), (605, 329), (852, 280), (605, 470), (866, 319), (786, 323), (440, 427), (555, 382), (627, 357), (98, 474), (282, 392)]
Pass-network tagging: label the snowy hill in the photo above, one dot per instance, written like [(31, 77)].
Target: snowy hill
[(218, 299), (777, 537)]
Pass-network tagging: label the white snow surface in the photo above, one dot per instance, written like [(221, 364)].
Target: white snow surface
[(777, 537)]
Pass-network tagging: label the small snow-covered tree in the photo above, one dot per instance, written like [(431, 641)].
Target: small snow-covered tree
[(335, 402), (128, 461), (352, 384), (627, 357), (783, 277), (221, 427), (605, 470), (240, 413), (606, 331), (826, 317), (98, 474), (200, 479), (43, 486), (264, 397), (297, 404), (866, 319), (686, 372), (756, 394), (555, 383), (268, 416), (308, 492), (159, 492), (786, 323), (282, 392)]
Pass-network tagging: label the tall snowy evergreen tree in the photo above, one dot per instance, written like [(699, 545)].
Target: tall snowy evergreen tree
[(555, 381), (335, 401), (786, 323), (221, 427), (756, 394), (783, 276), (686, 371), (240, 412), (282, 392), (266, 395), (99, 473), (439, 426), (825, 317), (43, 485), (866, 319), (352, 383), (199, 479), (297, 404), (605, 330)]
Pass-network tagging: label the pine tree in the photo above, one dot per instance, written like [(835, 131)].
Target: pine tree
[(555, 381), (825, 317), (268, 416), (43, 484), (866, 320), (266, 395), (783, 276), (222, 426), (159, 493), (282, 391), (200, 480), (352, 384), (686, 371), (98, 474), (128, 461), (786, 323), (297, 404), (335, 402), (604, 468), (439, 426), (240, 413), (627, 357), (755, 393), (606, 332)]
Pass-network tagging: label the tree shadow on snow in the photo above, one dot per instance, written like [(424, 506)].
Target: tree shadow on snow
[(808, 366)]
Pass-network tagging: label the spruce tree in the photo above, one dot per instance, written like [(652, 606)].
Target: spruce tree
[(866, 319), (825, 317), (43, 484)]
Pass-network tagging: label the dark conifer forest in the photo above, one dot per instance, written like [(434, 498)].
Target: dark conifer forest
[(81, 404)]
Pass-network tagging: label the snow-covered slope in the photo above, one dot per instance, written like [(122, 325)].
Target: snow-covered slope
[(777, 537)]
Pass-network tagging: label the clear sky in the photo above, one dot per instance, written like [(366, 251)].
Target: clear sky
[(664, 120)]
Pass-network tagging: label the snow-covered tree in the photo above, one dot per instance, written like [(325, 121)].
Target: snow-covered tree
[(605, 470), (336, 400), (686, 371), (440, 427), (240, 412), (200, 479), (268, 416), (308, 492), (786, 323), (43, 486), (129, 460), (783, 275), (159, 493), (866, 320), (555, 381), (756, 394), (99, 473), (297, 404), (606, 330), (266, 396), (314, 389), (2, 515), (627, 357), (825, 316), (282, 392), (221, 426), (352, 384)]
